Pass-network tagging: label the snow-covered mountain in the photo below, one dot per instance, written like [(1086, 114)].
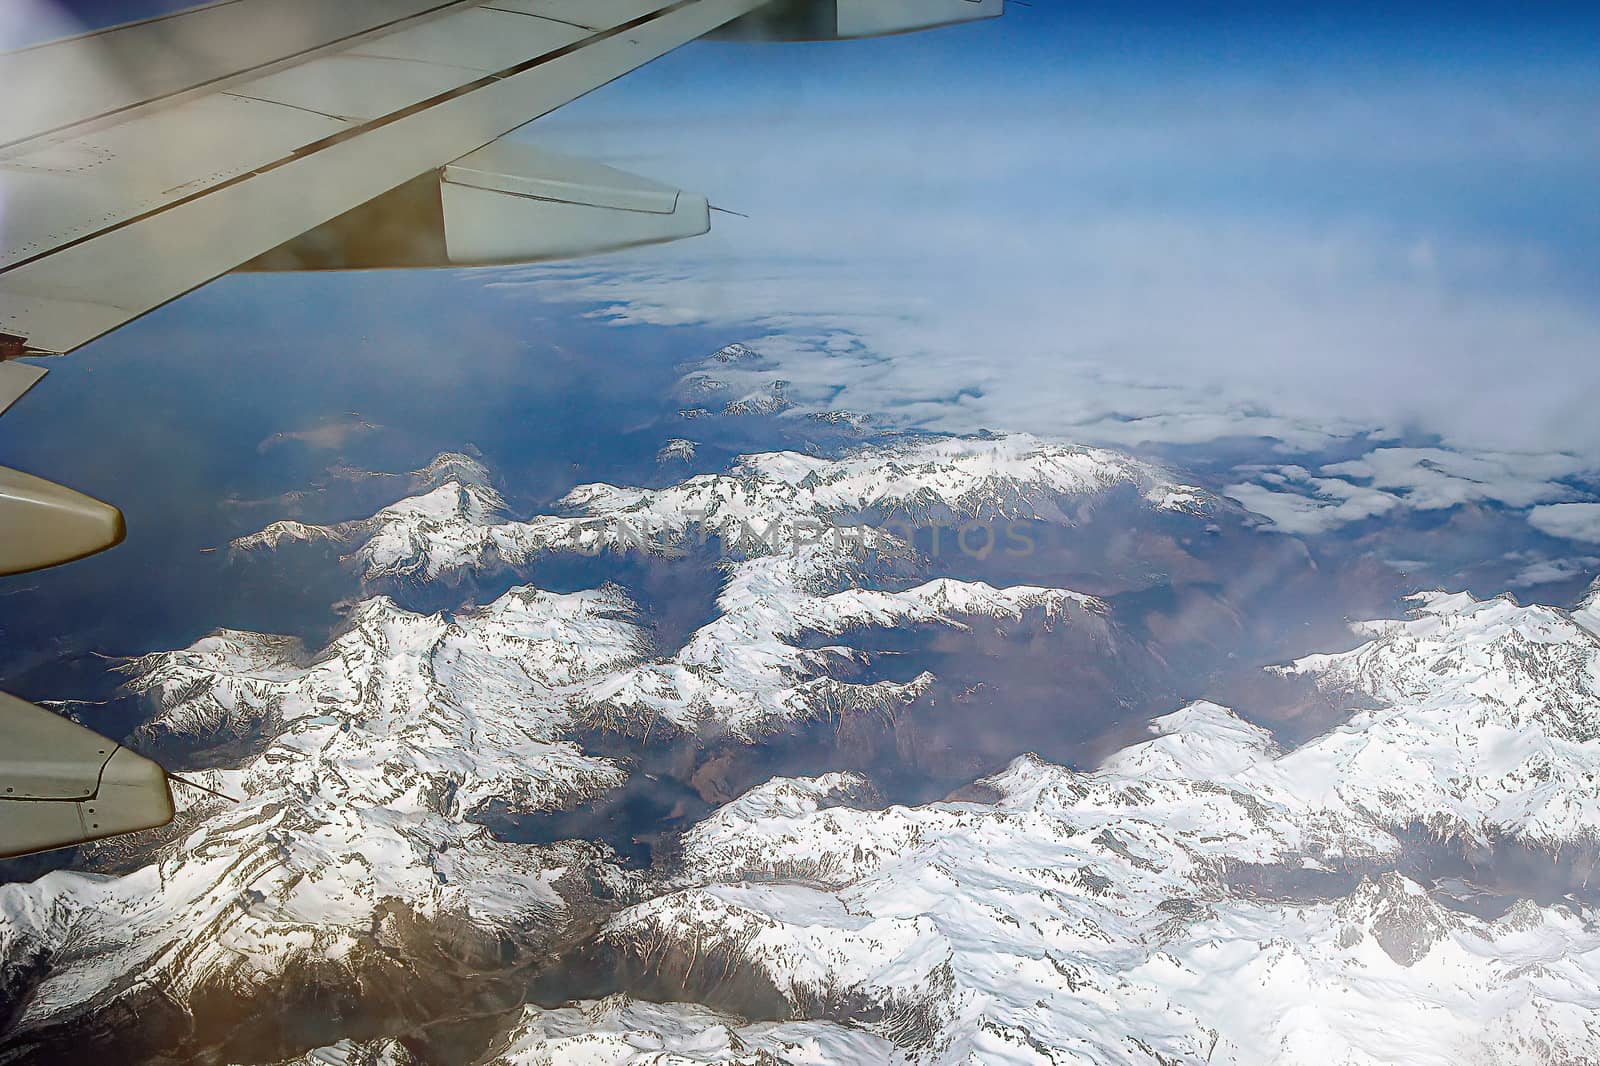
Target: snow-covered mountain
[(765, 504), (452, 488), (351, 854), (1069, 916), (444, 710), (1092, 916), (379, 750), (800, 548), (1045, 915), (1107, 916), (1487, 723), (368, 761)]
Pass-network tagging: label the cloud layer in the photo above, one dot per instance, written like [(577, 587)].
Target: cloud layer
[(1574, 521), (1168, 264)]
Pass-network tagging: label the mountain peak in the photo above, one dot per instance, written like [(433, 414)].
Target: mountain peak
[(452, 466), (1587, 612), (1203, 741)]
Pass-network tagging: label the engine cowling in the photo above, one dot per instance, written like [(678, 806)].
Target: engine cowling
[(840, 20)]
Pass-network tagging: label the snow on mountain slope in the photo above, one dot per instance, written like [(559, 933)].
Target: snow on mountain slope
[(451, 466), (1587, 613), (763, 505), (351, 853), (1005, 476), (617, 1031), (1487, 723), (375, 753), (767, 400), (1090, 916), (355, 1053), (287, 531), (799, 553)]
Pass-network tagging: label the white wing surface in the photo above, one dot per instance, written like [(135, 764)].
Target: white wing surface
[(147, 160)]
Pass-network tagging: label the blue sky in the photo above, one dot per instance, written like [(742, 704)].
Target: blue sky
[(1335, 229), (1338, 229)]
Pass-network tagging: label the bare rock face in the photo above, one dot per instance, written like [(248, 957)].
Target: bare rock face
[(1399, 915), (677, 450)]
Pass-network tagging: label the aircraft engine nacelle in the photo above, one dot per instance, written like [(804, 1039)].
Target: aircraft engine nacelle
[(840, 20), (43, 524)]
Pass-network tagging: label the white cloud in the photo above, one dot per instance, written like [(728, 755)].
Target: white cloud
[(1151, 329), (1574, 521), (1297, 502), (1388, 479), (1155, 268), (990, 282), (1549, 571), (1434, 479)]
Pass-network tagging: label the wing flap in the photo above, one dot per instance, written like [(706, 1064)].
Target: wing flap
[(513, 203), (522, 170)]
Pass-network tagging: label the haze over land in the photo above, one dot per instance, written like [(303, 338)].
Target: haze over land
[(1101, 563)]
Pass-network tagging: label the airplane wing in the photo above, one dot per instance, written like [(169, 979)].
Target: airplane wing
[(62, 784), (138, 163), (147, 160)]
